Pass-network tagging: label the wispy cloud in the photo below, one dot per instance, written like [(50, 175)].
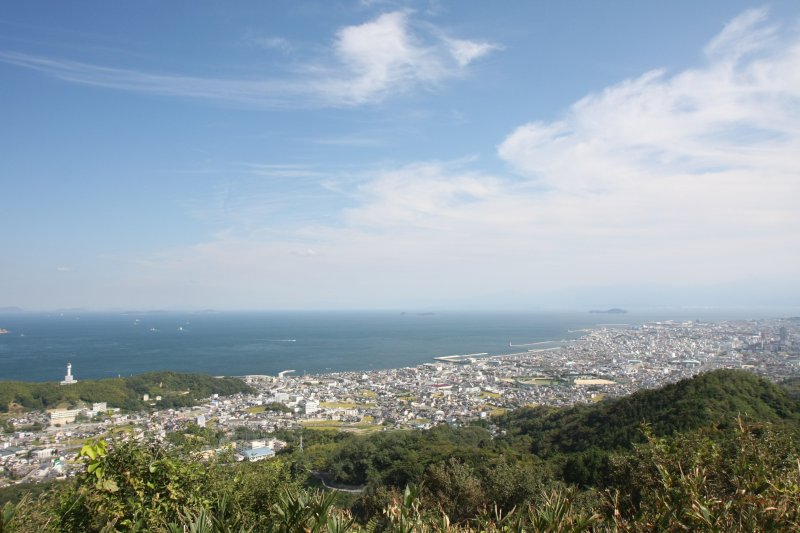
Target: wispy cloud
[(367, 63), (249, 92), (272, 42), (465, 52), (291, 170), (308, 252), (349, 140), (746, 33)]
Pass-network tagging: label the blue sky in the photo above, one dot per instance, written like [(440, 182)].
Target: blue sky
[(323, 155)]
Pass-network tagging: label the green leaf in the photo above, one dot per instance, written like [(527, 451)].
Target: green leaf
[(89, 451), (108, 485)]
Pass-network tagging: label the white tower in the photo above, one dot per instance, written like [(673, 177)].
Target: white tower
[(69, 379)]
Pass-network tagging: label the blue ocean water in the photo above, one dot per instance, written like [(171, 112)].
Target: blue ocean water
[(38, 346)]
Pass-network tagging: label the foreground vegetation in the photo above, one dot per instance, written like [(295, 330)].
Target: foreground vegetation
[(734, 467)]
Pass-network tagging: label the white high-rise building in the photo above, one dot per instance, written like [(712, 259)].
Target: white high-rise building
[(311, 407), (69, 379)]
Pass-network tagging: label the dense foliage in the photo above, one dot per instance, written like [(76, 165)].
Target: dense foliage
[(792, 387), (738, 472), (175, 389), (712, 399)]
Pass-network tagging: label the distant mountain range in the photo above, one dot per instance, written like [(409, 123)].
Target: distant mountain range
[(612, 311)]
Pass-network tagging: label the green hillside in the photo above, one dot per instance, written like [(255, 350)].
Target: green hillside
[(792, 387), (174, 388), (711, 399)]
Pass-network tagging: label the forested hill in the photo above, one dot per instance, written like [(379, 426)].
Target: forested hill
[(711, 399), (175, 390), (792, 387)]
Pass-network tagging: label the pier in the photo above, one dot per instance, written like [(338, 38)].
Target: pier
[(460, 359)]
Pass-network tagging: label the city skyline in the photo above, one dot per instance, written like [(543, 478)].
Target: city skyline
[(366, 155)]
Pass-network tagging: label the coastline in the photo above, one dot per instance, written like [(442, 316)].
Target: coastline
[(111, 345)]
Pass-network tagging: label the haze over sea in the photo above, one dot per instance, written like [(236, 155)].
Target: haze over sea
[(101, 345)]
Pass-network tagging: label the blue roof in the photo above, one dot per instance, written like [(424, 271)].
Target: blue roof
[(258, 453)]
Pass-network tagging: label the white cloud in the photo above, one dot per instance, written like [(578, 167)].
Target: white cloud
[(366, 63), (465, 52), (703, 162), (684, 178), (64, 269), (709, 123), (385, 54), (379, 54), (421, 195)]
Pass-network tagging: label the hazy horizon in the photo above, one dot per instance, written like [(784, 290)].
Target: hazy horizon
[(754, 311)]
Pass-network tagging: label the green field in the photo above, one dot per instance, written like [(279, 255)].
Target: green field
[(339, 405), (536, 380), (367, 425)]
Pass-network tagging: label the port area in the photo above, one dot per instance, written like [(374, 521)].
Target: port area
[(461, 359)]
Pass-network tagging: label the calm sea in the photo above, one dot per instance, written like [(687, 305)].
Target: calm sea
[(39, 346)]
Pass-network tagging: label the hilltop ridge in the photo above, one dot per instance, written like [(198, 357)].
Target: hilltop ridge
[(714, 398), (174, 388)]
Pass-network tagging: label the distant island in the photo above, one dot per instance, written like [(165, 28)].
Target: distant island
[(612, 311)]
